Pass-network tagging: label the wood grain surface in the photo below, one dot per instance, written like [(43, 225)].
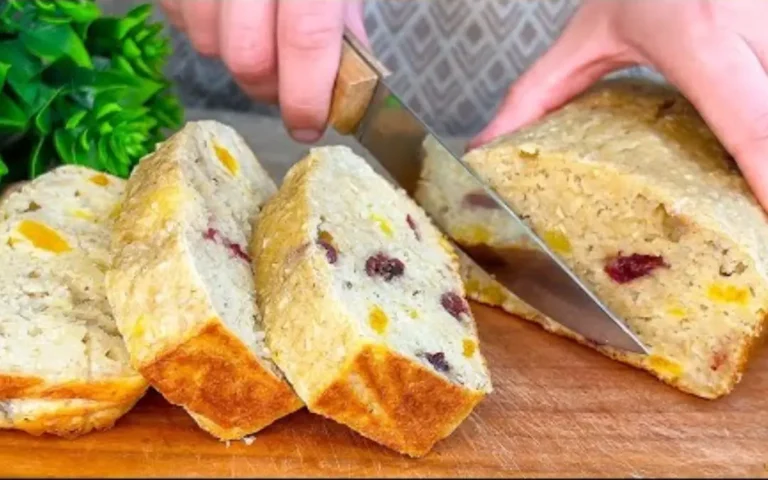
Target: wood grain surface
[(558, 409)]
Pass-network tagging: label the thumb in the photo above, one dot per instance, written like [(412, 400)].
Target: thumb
[(584, 53), (354, 19)]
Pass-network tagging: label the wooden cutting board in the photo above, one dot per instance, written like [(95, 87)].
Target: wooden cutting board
[(559, 409)]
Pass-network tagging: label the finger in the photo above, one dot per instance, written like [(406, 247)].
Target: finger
[(727, 83), (201, 19), (585, 52), (248, 41), (264, 90), (309, 48), (354, 21), (172, 10)]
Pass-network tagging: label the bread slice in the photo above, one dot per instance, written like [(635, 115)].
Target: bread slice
[(64, 369), (632, 190), (181, 284), (363, 305)]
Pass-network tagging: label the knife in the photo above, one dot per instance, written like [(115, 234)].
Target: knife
[(365, 106)]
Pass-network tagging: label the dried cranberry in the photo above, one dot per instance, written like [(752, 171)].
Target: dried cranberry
[(438, 361), (330, 252), (384, 266), (210, 234), (623, 269), (454, 304), (414, 227), (237, 250), (479, 199)]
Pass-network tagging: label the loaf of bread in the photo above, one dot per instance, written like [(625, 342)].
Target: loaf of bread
[(363, 305), (633, 191), (181, 284), (63, 367)]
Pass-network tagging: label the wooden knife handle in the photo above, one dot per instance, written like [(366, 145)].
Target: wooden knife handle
[(359, 73)]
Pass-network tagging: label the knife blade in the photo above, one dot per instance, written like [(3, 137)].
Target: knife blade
[(366, 106)]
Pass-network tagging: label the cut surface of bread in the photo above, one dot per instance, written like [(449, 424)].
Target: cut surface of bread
[(63, 368), (363, 305), (181, 284), (633, 191)]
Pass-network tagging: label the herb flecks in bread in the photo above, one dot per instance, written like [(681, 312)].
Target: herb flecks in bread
[(64, 369), (360, 296), (181, 283), (634, 192)]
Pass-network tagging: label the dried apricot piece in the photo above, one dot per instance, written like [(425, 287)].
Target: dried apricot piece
[(43, 236), (100, 179), (378, 320), (557, 241), (383, 224), (724, 293), (468, 347), (226, 159)]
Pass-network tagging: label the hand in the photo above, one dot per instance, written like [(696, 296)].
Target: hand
[(279, 51), (715, 52)]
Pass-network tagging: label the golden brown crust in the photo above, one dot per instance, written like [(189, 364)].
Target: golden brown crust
[(115, 391), (215, 376), (407, 407), (67, 420)]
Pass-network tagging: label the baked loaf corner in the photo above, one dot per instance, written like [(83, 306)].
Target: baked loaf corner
[(363, 305), (181, 284), (64, 369), (633, 191)]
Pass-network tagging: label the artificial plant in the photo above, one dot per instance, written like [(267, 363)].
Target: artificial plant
[(80, 87)]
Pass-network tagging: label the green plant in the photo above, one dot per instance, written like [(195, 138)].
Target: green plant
[(79, 87)]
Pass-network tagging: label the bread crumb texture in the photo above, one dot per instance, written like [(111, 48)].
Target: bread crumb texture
[(633, 191), (181, 284), (64, 369), (363, 305)]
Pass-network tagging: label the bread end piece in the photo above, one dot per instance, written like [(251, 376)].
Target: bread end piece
[(171, 313)]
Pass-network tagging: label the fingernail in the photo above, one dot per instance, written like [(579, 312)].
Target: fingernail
[(305, 136)]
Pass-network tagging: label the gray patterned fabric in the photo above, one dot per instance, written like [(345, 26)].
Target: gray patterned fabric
[(452, 60)]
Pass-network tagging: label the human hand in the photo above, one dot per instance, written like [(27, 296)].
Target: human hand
[(715, 52), (278, 51)]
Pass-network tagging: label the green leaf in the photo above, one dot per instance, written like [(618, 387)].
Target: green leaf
[(43, 117), (12, 117), (65, 146), (81, 12), (4, 67), (3, 167), (51, 42), (37, 163), (24, 66), (75, 119)]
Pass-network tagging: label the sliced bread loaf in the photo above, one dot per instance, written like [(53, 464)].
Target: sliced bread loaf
[(63, 368), (181, 284), (634, 192), (363, 305)]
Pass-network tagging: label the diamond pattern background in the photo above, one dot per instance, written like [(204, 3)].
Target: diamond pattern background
[(452, 60)]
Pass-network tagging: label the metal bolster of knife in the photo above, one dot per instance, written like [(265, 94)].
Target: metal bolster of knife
[(358, 77)]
